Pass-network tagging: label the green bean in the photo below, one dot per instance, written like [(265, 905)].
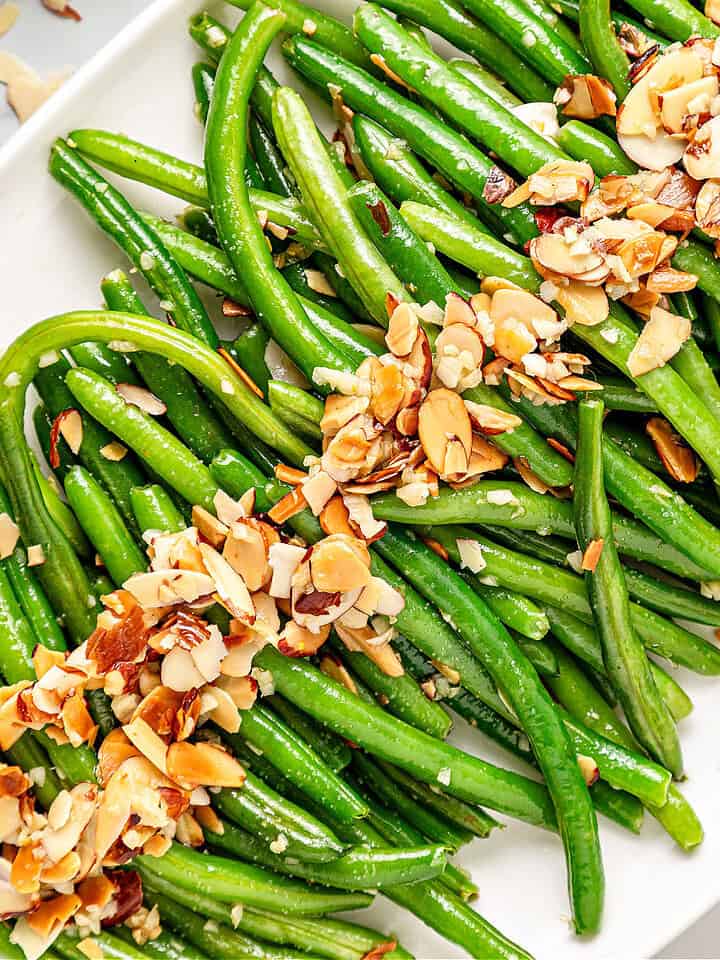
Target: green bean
[(111, 946), (464, 816), (260, 810), (112, 212), (331, 748), (9, 950), (273, 301), (203, 79), (679, 819), (527, 510), (359, 868), (401, 695), (166, 946), (325, 197), (451, 21), (690, 362), (620, 395), (389, 792), (487, 82), (27, 754), (249, 351), (154, 510), (159, 448), (118, 477), (448, 151), (335, 939), (108, 363), (269, 159), (583, 142), (101, 521), (186, 408), (551, 549), (217, 940), (674, 398), (326, 30), (161, 170), (297, 276), (677, 19), (460, 100), (516, 611), (540, 655), (212, 266), (598, 36), (416, 752), (399, 173), (230, 881), (299, 762), (544, 11), (286, 397), (30, 595), (623, 654), (414, 263)]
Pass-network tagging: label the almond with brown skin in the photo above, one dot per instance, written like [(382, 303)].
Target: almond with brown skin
[(679, 460), (402, 330)]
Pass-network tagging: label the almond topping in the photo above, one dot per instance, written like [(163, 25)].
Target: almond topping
[(114, 451), (69, 425), (589, 97), (444, 419), (204, 764), (9, 535), (402, 330), (678, 459), (142, 398), (209, 526), (659, 341), (591, 556)]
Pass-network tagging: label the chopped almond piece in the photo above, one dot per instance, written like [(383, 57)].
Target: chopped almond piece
[(292, 503), (707, 208), (491, 420), (334, 518), (589, 769), (332, 667), (665, 279), (297, 641), (290, 475), (529, 476), (679, 460), (339, 563), (69, 425), (402, 330), (591, 556), (114, 451), (437, 548), (35, 555), (388, 391)]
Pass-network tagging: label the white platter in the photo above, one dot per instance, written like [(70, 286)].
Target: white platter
[(51, 259)]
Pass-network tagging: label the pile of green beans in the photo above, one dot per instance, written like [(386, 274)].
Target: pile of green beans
[(358, 780)]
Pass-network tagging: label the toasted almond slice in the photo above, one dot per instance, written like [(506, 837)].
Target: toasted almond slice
[(335, 518), (498, 186), (388, 387), (529, 476), (443, 417), (205, 764), (339, 564), (553, 256), (360, 515), (162, 587), (209, 526), (588, 768), (230, 586), (141, 397), (290, 475), (591, 556), (642, 301), (436, 547), (142, 736), (9, 535), (690, 98), (114, 451), (513, 340), (579, 384), (659, 341), (491, 420), (340, 410), (241, 690), (678, 459), (246, 550), (520, 195), (640, 114), (665, 279), (654, 152), (402, 330), (366, 640), (317, 281), (590, 97), (587, 306), (707, 208), (292, 503), (227, 509), (318, 490), (35, 555), (458, 311), (332, 667), (297, 641), (70, 427), (484, 458)]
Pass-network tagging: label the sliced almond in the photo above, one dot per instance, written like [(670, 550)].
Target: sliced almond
[(339, 563), (366, 641), (162, 587), (678, 459), (333, 667), (230, 586), (458, 311), (290, 475), (209, 526), (297, 641), (340, 410), (292, 503), (640, 114), (588, 768), (589, 97), (591, 555), (70, 427), (388, 391), (675, 105), (443, 418), (553, 256), (204, 764), (141, 397), (491, 420), (587, 306), (402, 330), (246, 550), (659, 341), (665, 279), (35, 555), (707, 208), (361, 516), (9, 535), (142, 736)]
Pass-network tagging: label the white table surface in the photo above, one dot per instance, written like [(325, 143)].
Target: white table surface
[(49, 43)]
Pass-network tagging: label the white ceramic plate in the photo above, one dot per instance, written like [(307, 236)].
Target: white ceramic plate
[(51, 259)]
